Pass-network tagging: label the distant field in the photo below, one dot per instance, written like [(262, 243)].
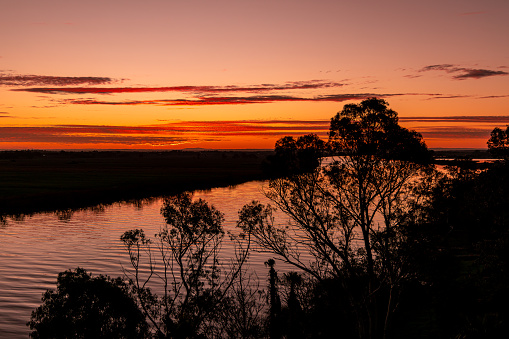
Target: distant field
[(32, 181), (462, 153)]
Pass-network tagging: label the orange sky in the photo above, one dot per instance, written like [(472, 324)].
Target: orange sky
[(241, 74)]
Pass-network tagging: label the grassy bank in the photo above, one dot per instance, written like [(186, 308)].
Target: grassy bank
[(33, 181)]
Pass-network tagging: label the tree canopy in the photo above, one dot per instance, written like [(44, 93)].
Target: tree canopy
[(199, 289), (84, 306), (372, 128), (498, 143), (345, 215), (295, 156)]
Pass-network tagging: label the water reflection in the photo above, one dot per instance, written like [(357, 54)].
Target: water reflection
[(67, 214), (36, 247)]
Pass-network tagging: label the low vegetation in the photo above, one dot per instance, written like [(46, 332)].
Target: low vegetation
[(34, 181)]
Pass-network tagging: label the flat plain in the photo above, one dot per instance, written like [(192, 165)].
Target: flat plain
[(34, 181)]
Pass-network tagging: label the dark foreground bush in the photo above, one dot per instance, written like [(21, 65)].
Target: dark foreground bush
[(87, 307)]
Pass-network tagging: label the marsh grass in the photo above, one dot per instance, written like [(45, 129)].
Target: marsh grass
[(32, 181)]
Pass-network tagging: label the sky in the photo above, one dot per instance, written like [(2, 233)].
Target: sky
[(238, 74)]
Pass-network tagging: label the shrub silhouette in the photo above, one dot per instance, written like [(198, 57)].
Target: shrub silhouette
[(87, 307)]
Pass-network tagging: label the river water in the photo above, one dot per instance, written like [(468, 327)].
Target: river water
[(36, 248)]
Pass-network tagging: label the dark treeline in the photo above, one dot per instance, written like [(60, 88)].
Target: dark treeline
[(398, 248)]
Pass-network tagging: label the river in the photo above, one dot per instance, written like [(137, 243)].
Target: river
[(34, 249)]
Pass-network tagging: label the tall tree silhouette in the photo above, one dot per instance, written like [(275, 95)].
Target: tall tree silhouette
[(197, 286), (345, 214), (274, 302)]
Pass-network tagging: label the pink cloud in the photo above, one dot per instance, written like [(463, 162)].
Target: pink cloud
[(313, 84), (233, 100)]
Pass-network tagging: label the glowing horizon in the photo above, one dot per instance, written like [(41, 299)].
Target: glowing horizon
[(161, 75)]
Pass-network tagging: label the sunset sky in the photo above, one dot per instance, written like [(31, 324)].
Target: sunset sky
[(108, 74)]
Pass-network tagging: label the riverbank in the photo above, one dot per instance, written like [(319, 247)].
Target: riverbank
[(36, 181)]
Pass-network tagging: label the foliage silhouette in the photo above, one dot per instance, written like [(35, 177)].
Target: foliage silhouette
[(371, 128), (472, 206), (397, 250), (88, 307), (197, 286), (243, 311), (294, 156), (275, 327), (346, 215), (498, 143)]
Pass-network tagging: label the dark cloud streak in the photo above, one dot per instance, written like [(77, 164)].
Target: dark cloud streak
[(454, 132), (240, 100), (478, 73), (313, 84), (41, 80), (464, 73)]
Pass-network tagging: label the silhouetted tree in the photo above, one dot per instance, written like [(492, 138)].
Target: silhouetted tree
[(345, 215), (371, 129), (293, 315), (88, 307), (197, 286), (243, 313), (498, 143), (472, 206), (294, 156), (274, 302)]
